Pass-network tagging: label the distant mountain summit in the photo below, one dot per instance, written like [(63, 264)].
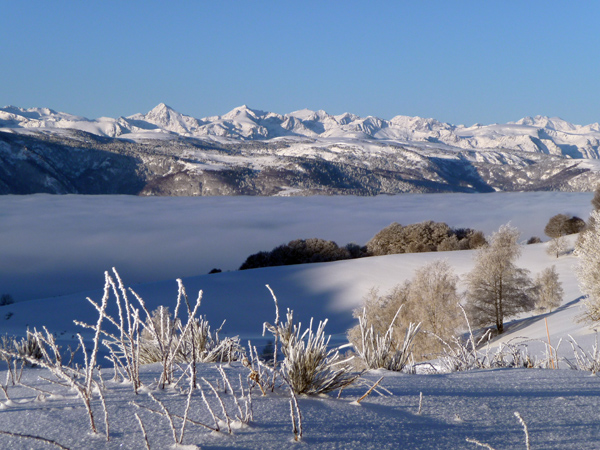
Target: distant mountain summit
[(252, 152), (550, 135)]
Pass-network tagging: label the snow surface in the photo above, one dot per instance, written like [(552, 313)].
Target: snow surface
[(559, 406)]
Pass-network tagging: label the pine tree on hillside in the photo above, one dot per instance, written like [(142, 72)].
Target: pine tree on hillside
[(497, 289)]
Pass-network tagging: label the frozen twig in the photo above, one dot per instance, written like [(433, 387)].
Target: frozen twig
[(366, 394), (518, 416), (143, 431), (37, 438), (480, 444)]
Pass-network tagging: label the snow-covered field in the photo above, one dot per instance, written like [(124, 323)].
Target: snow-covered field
[(58, 235)]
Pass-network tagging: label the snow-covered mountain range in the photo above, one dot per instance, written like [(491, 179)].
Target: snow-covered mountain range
[(253, 152), (550, 135)]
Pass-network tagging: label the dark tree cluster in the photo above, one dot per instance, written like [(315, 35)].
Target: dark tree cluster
[(301, 251), (562, 225), (421, 237), (426, 236)]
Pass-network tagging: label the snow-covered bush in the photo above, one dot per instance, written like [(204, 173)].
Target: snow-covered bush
[(429, 298), (309, 366), (584, 360), (381, 351), (199, 343)]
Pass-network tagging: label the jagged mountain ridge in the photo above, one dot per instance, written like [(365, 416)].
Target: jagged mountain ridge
[(306, 152), (550, 135)]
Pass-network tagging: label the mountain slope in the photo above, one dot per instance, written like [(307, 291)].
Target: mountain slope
[(251, 152)]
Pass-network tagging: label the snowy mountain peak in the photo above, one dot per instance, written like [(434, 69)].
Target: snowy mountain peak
[(552, 123), (244, 112), (539, 134)]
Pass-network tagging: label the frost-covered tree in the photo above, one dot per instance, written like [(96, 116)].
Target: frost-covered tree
[(588, 274), (434, 302), (497, 289), (430, 299), (557, 246), (549, 291)]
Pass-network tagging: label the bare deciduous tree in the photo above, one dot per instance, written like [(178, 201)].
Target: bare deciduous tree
[(549, 291), (557, 246), (497, 289)]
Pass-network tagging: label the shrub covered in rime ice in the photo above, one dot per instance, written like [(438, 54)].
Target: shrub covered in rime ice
[(496, 288), (197, 342), (426, 236), (309, 366), (430, 299)]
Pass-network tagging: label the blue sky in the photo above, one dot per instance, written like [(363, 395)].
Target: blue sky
[(456, 61)]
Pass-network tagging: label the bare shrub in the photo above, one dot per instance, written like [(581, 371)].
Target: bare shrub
[(302, 251)]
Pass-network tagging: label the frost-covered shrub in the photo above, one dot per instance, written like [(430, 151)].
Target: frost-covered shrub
[(29, 348), (584, 360), (309, 366), (381, 351), (198, 343), (430, 299)]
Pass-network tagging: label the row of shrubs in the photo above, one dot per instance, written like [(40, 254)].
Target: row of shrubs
[(426, 236)]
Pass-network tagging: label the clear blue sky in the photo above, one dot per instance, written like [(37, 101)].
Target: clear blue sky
[(457, 61)]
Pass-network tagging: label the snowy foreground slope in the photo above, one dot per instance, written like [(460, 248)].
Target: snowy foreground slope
[(559, 406)]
